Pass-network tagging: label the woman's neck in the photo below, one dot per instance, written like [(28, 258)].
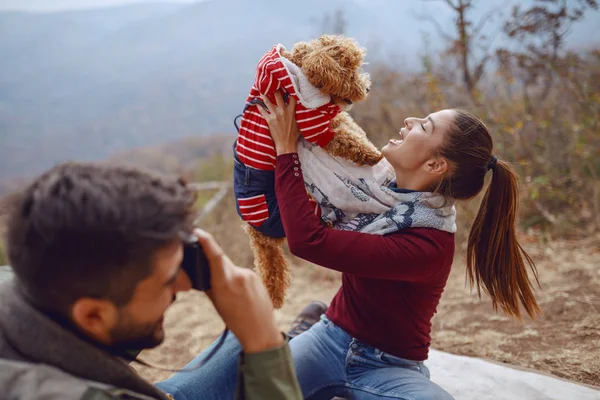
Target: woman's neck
[(415, 182)]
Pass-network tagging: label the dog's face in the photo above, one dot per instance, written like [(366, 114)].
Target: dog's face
[(333, 63)]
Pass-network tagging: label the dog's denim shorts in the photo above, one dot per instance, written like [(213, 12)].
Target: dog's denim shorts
[(255, 198)]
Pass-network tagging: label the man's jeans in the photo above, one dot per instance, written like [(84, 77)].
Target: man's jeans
[(328, 362), (216, 379)]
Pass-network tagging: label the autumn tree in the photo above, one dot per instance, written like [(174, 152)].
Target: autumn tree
[(540, 30)]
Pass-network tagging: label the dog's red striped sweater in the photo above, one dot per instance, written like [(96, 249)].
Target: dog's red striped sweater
[(254, 149)]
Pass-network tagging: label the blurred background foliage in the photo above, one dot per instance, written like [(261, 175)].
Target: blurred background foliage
[(538, 94)]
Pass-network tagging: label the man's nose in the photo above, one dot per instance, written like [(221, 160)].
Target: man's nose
[(183, 282)]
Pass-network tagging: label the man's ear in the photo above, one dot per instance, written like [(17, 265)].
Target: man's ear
[(95, 317), (437, 166)]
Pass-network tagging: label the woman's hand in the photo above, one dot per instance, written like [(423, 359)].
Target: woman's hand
[(281, 119)]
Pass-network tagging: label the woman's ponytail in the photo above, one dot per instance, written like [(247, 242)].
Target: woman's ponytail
[(495, 260)]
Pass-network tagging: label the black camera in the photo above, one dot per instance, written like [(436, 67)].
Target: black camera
[(195, 264)]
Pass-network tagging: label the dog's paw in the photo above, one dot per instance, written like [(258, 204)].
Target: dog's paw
[(371, 157)]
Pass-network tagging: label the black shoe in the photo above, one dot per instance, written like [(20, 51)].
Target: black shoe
[(309, 316)]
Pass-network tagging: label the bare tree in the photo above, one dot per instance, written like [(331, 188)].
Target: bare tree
[(333, 23), (467, 44), (540, 30)]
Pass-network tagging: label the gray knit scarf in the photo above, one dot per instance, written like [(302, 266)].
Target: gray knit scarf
[(359, 198)]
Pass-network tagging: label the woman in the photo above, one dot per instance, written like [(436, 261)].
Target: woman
[(373, 340)]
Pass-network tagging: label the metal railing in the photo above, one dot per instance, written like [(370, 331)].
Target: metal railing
[(5, 273), (216, 199)]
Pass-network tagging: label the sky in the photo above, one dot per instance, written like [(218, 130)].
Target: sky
[(54, 5)]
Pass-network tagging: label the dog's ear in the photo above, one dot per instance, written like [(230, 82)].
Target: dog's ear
[(299, 53), (323, 71), (345, 50)]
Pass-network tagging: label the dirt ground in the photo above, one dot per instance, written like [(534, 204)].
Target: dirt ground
[(563, 341)]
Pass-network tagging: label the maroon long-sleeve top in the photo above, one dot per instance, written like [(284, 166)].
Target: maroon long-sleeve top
[(391, 285)]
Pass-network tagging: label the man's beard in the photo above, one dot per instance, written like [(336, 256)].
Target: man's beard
[(129, 335), (126, 335)]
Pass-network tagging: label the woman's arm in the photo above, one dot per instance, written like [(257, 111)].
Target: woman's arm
[(412, 254)]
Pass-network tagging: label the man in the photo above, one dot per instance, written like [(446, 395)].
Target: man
[(96, 251)]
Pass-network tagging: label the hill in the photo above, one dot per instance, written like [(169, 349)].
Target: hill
[(183, 156), (85, 84)]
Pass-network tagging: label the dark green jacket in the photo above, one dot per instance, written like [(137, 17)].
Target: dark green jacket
[(41, 359)]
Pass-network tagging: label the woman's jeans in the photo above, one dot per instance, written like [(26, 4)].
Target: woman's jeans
[(328, 362)]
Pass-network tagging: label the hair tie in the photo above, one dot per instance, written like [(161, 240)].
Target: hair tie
[(492, 163)]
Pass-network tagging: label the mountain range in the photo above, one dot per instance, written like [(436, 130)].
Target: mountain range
[(85, 84)]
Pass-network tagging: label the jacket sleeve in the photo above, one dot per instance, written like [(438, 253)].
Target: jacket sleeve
[(268, 375), (412, 255)]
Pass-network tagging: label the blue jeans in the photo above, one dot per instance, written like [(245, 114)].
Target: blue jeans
[(328, 362), (216, 379)]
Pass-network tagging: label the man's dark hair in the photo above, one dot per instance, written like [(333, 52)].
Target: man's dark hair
[(85, 229)]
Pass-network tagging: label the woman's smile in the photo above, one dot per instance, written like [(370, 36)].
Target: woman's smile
[(398, 142)]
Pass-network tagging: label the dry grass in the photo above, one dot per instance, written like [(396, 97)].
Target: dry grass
[(564, 340)]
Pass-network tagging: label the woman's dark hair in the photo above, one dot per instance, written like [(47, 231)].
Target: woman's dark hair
[(91, 230), (495, 260)]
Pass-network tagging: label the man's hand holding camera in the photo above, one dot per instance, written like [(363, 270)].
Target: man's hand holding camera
[(241, 299)]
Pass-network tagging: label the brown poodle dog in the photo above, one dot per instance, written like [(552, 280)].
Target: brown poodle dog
[(331, 64)]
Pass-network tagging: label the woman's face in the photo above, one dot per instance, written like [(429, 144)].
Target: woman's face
[(418, 142)]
